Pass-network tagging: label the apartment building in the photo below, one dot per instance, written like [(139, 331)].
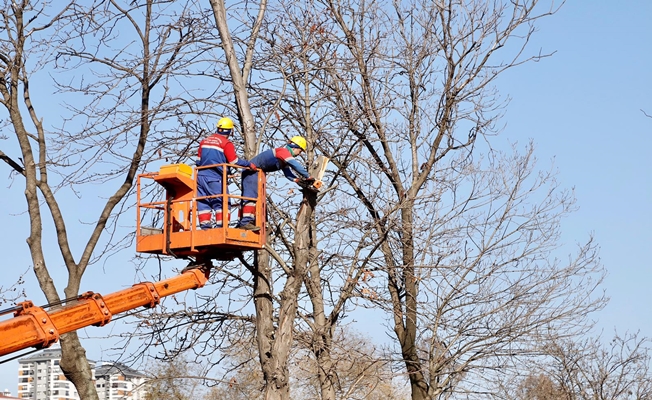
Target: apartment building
[(118, 382), (41, 378)]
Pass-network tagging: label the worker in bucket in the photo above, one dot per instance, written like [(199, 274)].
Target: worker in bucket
[(279, 159), (215, 149)]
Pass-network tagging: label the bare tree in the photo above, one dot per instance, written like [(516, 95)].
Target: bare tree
[(464, 245), (359, 369), (22, 27), (274, 338), (588, 369), (116, 91), (294, 50), (585, 369), (243, 377), (538, 387), (177, 379)]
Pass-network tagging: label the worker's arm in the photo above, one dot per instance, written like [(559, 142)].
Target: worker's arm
[(199, 151), (289, 174), (232, 157), (291, 164)]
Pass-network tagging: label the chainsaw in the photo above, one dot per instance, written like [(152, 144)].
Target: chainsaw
[(310, 184)]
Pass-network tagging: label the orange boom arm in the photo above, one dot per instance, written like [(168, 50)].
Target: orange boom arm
[(33, 326)]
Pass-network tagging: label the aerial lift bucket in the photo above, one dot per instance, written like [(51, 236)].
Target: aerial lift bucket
[(177, 233)]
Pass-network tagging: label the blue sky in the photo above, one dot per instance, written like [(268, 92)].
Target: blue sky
[(582, 107)]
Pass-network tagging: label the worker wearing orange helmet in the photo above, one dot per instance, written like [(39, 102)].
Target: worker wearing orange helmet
[(279, 159), (215, 149)]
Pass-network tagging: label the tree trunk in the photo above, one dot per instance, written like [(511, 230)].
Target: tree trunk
[(322, 329), (265, 335), (76, 368), (322, 333), (406, 329), (274, 345), (240, 76)]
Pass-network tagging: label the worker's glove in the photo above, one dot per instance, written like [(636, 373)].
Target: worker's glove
[(309, 179), (252, 166)]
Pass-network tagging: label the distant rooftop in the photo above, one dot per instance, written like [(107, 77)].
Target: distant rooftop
[(117, 368), (49, 353), (44, 355)]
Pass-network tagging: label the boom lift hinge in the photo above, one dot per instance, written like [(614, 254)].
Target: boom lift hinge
[(47, 332), (152, 293)]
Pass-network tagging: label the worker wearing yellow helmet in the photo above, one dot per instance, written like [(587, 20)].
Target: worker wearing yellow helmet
[(279, 159), (214, 151), (225, 125), (299, 141)]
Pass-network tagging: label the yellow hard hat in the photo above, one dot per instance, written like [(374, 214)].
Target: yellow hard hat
[(299, 141), (225, 123)]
